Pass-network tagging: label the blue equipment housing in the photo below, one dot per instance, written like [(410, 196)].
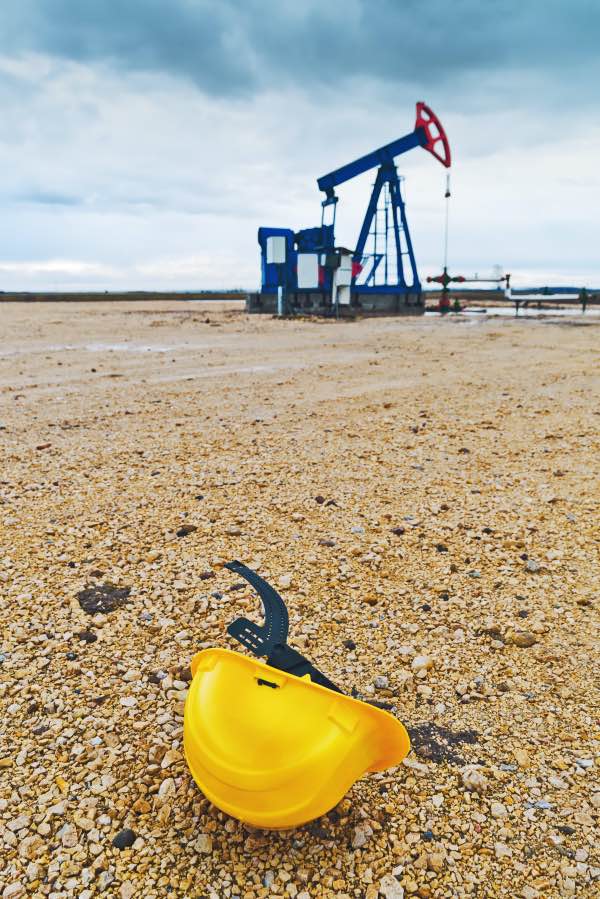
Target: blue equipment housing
[(383, 261), (271, 273)]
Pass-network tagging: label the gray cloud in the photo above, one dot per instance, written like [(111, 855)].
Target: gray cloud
[(237, 47), (144, 141), (46, 198)]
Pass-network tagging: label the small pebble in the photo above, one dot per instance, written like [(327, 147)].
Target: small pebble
[(124, 839), (203, 843), (390, 888), (498, 810), (421, 663), (474, 779), (522, 639), (361, 836)]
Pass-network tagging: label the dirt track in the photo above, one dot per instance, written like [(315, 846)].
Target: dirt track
[(458, 464)]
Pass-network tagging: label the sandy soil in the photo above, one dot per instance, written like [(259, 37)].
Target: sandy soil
[(456, 465)]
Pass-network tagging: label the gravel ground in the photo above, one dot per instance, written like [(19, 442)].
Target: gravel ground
[(424, 492)]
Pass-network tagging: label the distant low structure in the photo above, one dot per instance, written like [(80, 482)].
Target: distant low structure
[(118, 296)]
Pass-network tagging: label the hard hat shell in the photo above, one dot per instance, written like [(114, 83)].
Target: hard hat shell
[(276, 750)]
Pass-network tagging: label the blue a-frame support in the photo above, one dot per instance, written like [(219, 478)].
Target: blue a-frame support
[(387, 174)]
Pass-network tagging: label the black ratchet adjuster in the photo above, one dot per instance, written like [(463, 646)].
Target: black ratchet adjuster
[(270, 639)]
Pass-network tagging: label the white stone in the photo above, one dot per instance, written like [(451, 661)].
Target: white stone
[(390, 888), (102, 785), (367, 875), (68, 836), (132, 675), (362, 834), (502, 850), (13, 891), (414, 765), (498, 810), (421, 663), (167, 788), (203, 843), (529, 893), (170, 758), (33, 871), (18, 823), (104, 880), (474, 779), (557, 783), (31, 847), (59, 808)]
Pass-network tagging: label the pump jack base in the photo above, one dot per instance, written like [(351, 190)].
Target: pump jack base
[(363, 303)]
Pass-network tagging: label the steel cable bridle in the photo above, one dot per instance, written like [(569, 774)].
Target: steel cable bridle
[(447, 197)]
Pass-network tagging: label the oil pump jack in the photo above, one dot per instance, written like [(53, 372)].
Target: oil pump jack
[(306, 271)]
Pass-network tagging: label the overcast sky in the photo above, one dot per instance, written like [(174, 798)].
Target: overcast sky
[(143, 142)]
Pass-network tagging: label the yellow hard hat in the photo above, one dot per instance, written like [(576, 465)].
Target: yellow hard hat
[(272, 748)]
